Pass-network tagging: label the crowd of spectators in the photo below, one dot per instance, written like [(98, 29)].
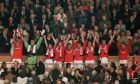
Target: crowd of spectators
[(64, 17), (89, 74)]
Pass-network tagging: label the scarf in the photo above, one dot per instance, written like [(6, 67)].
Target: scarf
[(49, 51), (81, 51), (32, 49), (123, 51), (89, 49), (60, 51), (101, 47)]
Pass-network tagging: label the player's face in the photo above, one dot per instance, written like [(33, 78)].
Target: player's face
[(123, 46), (89, 44), (59, 45), (69, 46), (104, 42), (79, 45), (5, 32), (17, 44), (32, 42)]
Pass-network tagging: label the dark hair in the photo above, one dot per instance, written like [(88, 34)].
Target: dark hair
[(68, 65), (3, 65), (123, 67), (79, 42), (2, 76), (14, 79), (46, 81), (108, 72), (22, 74), (113, 65), (135, 75), (98, 62), (133, 67), (68, 44)]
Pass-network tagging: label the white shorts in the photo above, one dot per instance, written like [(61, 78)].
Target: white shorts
[(78, 63), (123, 61), (104, 60), (19, 60), (89, 62), (49, 63), (59, 63)]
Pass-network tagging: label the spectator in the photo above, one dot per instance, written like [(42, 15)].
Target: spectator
[(14, 81), (10, 77), (55, 74), (70, 14), (22, 79), (1, 26), (61, 15), (104, 21), (1, 80), (11, 26), (15, 68), (4, 67), (81, 16), (113, 72), (93, 21), (102, 11), (24, 25), (40, 68), (135, 45), (5, 42), (107, 77), (32, 21), (136, 6), (56, 26), (114, 18), (43, 21)]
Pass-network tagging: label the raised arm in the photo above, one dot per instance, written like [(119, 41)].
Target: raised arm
[(44, 37), (25, 42), (39, 42), (20, 33), (67, 39), (118, 43), (14, 39), (21, 40), (84, 45), (54, 39), (95, 38), (82, 38), (129, 44), (74, 43), (112, 38)]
